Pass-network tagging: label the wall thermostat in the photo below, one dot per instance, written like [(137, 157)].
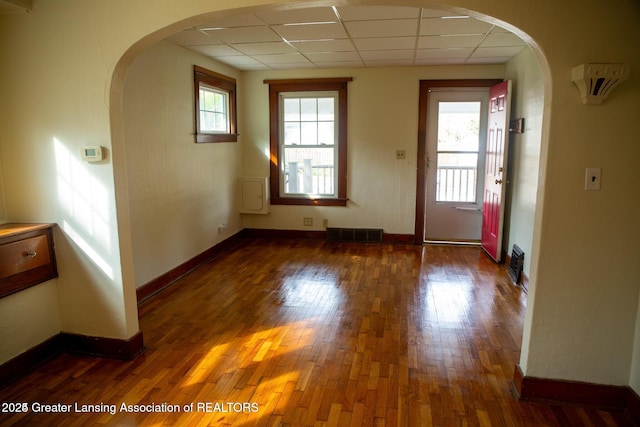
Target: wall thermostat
[(92, 153)]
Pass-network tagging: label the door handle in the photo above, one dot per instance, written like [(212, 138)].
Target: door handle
[(498, 181)]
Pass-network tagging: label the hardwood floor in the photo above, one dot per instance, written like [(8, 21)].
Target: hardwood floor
[(310, 333)]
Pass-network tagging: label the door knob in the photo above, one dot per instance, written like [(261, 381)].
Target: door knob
[(498, 181)]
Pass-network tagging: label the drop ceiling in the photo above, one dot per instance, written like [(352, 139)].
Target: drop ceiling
[(348, 37)]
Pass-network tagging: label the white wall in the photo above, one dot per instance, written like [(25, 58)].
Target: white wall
[(524, 152), (179, 191), (581, 321), (383, 118)]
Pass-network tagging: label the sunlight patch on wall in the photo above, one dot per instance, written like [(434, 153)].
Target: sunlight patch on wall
[(84, 202), (88, 249)]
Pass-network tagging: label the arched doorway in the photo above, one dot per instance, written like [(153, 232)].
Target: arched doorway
[(119, 133)]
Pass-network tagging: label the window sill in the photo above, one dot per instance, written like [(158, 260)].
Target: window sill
[(299, 201), (216, 137)]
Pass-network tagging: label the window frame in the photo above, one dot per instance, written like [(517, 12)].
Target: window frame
[(276, 87), (221, 83)]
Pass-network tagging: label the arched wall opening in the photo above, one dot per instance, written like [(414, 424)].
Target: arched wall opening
[(119, 135)]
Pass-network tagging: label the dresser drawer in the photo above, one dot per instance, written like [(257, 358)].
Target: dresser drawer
[(26, 258), (23, 255)]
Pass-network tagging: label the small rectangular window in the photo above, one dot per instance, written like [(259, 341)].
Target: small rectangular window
[(215, 114), (214, 110)]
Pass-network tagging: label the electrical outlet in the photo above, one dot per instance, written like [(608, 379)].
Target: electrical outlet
[(307, 222), (401, 154), (592, 179), (325, 223), (222, 227)]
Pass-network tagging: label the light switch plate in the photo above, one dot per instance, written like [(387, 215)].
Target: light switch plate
[(592, 179)]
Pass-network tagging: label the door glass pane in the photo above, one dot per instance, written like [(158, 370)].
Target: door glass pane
[(457, 177), (457, 151), (458, 126)]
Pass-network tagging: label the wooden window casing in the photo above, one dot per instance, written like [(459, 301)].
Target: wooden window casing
[(308, 85), (224, 84)]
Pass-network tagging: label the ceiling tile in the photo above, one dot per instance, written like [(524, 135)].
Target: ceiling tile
[(215, 50), (333, 56), (339, 64), (437, 26), (487, 52), (439, 61), (243, 62), (488, 60), (192, 37), (499, 29), (245, 35), (293, 66), (341, 45), (433, 13), (502, 39), (312, 14), (267, 48), (311, 32), (382, 28), (359, 13), (385, 43), (390, 63), (443, 53), (379, 55), (285, 58), (443, 42)]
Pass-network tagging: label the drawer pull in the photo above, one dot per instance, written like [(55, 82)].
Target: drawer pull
[(31, 253)]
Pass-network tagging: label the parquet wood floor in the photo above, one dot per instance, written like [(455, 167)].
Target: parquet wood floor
[(310, 333)]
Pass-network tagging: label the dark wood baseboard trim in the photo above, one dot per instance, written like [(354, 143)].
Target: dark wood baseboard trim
[(258, 233), (401, 239), (633, 405), (112, 348), (575, 392), (158, 284), (24, 363)]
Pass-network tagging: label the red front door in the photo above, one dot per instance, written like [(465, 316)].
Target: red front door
[(495, 169)]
